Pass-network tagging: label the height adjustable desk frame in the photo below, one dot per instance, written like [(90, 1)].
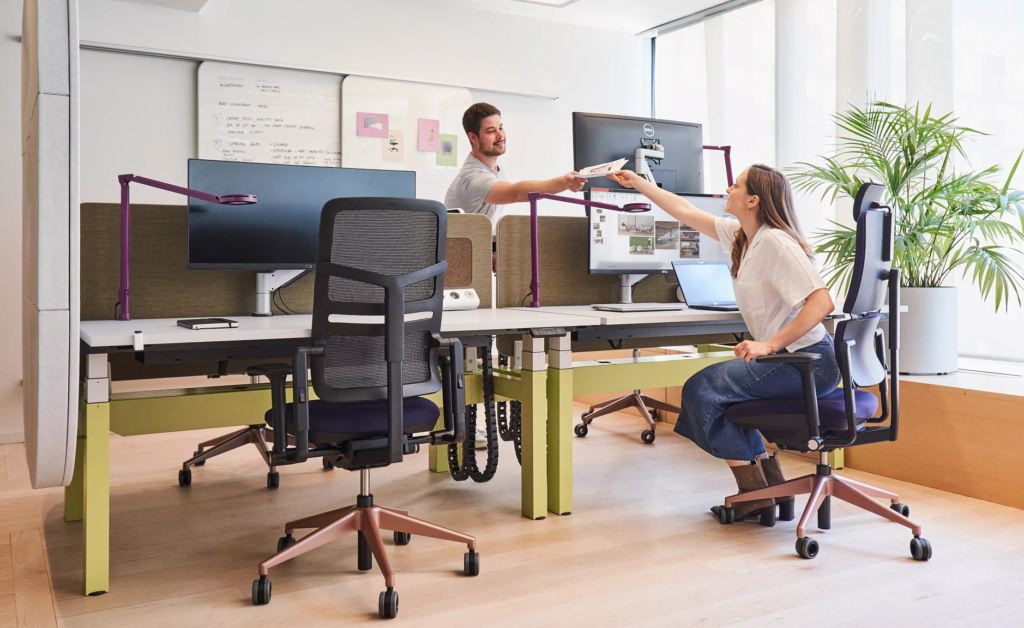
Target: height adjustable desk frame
[(163, 342)]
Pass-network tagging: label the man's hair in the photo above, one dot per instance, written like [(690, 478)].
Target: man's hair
[(475, 114)]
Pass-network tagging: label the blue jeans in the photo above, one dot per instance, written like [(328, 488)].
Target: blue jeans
[(707, 394)]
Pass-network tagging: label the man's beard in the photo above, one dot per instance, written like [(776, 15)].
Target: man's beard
[(493, 152)]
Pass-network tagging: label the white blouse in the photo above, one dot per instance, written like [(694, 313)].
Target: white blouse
[(774, 281)]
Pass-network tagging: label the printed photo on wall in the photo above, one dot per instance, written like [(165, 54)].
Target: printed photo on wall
[(447, 151), (372, 124), (393, 147), (689, 248), (666, 234), (429, 135)]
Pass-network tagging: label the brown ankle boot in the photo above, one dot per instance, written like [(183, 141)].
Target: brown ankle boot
[(773, 475), (748, 478)]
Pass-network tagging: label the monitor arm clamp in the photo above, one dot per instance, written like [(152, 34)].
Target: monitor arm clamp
[(649, 149), (268, 283)]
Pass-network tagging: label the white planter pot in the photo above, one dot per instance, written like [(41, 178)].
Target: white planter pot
[(928, 331)]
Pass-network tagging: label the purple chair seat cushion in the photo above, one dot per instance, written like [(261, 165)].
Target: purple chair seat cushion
[(831, 409), (363, 419)]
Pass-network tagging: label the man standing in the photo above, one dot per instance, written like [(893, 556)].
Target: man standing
[(480, 187)]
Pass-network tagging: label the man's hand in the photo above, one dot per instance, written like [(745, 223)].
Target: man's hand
[(750, 350), (625, 178), (573, 184)]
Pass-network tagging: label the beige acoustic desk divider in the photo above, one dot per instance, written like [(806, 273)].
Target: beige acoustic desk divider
[(163, 287), (564, 279)]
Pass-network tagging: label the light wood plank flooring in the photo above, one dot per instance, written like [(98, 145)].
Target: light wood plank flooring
[(640, 549)]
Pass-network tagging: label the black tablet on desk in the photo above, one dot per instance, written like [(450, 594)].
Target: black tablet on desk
[(207, 323)]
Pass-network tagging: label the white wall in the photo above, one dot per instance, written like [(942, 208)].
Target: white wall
[(139, 113)]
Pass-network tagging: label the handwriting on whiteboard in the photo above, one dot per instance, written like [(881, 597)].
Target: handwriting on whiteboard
[(269, 115)]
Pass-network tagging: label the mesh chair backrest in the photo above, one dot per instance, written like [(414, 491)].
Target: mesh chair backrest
[(388, 236), (868, 287)]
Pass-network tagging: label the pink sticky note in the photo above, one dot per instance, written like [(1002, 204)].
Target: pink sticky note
[(372, 124), (429, 135)]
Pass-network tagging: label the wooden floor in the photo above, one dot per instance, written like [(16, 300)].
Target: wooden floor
[(640, 549)]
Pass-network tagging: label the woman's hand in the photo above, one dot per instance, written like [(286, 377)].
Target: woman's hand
[(625, 178), (750, 350)]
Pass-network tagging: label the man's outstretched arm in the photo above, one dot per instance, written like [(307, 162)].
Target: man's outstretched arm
[(503, 192)]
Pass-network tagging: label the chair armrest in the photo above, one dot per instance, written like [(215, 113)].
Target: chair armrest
[(795, 359), (803, 362), (270, 370), (453, 387)]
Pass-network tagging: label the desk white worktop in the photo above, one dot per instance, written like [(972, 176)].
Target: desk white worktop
[(160, 331), (637, 318)]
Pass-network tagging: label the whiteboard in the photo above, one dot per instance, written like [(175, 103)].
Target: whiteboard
[(269, 115), (404, 103)]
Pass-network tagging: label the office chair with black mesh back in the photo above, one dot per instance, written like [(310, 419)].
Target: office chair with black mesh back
[(375, 349), (842, 418)]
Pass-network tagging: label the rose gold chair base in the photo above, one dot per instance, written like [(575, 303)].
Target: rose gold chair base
[(367, 521), (823, 485), (258, 435), (637, 400)]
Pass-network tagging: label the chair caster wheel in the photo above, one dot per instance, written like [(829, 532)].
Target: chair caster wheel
[(581, 430), (471, 563), (903, 509), (655, 414), (261, 591), (402, 538), (920, 548), (787, 510), (285, 541), (806, 547), (328, 464), (273, 479), (200, 463), (647, 436), (726, 515), (387, 606), (184, 477)]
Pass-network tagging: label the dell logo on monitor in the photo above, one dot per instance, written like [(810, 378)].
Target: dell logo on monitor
[(648, 130)]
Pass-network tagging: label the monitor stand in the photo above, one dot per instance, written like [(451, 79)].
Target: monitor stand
[(267, 283), (626, 304)]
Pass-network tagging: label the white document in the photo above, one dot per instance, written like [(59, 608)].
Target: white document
[(601, 169)]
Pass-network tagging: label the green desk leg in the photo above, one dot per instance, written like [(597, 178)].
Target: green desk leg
[(559, 389), (533, 380), (74, 493), (96, 497)]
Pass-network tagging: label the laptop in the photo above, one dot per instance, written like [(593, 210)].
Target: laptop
[(706, 285)]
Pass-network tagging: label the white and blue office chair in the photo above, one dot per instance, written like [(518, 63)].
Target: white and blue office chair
[(845, 417)]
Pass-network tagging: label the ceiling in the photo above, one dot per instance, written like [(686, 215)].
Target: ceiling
[(625, 16)]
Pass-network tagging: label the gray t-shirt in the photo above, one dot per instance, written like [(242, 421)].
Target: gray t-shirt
[(471, 186)]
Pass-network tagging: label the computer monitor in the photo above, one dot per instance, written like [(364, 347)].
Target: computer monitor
[(646, 243), (599, 139), (281, 231)]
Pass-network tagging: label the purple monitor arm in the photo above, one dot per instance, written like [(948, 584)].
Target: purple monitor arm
[(124, 180), (535, 247)]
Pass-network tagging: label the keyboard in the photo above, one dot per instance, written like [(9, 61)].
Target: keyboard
[(639, 307)]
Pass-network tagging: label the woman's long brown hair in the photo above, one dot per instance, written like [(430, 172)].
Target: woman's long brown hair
[(774, 208)]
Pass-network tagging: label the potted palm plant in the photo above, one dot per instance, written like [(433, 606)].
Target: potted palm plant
[(949, 220)]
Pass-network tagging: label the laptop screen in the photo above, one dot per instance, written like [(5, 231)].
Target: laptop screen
[(705, 283)]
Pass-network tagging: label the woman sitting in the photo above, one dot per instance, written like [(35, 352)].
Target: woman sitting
[(783, 301)]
